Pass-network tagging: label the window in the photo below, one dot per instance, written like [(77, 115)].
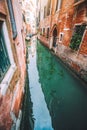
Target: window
[(43, 31), (48, 7), (39, 16), (58, 5), (47, 32), (27, 20), (77, 36), (45, 12), (7, 65), (61, 37), (4, 58), (23, 17)]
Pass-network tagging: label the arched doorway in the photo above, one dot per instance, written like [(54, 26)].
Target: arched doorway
[(54, 37)]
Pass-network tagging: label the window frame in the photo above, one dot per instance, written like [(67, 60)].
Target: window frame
[(4, 59), (48, 32), (58, 5), (5, 83), (61, 36), (73, 35)]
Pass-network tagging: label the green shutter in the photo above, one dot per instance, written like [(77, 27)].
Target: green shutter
[(4, 58)]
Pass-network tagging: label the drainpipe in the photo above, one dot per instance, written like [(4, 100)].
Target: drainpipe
[(13, 23), (51, 38)]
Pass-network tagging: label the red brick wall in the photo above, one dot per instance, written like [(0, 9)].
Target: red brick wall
[(10, 101), (2, 7), (66, 18), (80, 14), (81, 18), (75, 67), (83, 48), (67, 37)]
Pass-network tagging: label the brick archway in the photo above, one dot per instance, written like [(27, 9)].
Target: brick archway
[(54, 34), (52, 29)]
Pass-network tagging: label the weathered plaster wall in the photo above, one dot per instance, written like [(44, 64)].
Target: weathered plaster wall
[(11, 101)]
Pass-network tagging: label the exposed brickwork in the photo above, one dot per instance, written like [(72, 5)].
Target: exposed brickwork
[(16, 104), (2, 7), (65, 19), (81, 13), (75, 66), (5, 119), (67, 38), (9, 102), (83, 49), (44, 40)]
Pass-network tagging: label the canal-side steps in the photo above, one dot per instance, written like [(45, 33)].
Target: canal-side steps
[(75, 62)]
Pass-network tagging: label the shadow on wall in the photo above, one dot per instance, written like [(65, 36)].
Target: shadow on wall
[(27, 122)]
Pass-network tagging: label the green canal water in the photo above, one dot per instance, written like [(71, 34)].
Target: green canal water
[(59, 100), (65, 95)]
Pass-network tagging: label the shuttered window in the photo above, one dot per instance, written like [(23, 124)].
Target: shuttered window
[(4, 59), (77, 36)]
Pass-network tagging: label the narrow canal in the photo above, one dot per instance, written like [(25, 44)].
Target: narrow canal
[(59, 99)]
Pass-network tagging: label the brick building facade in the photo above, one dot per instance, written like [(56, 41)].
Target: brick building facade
[(12, 64), (63, 28)]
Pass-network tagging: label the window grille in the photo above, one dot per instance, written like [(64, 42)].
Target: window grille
[(4, 59), (77, 36)]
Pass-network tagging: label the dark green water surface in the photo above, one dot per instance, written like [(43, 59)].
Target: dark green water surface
[(65, 96)]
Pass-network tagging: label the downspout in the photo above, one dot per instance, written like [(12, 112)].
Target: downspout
[(13, 23), (50, 39)]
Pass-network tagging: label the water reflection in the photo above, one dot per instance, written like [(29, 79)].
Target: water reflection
[(40, 111), (65, 96)]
